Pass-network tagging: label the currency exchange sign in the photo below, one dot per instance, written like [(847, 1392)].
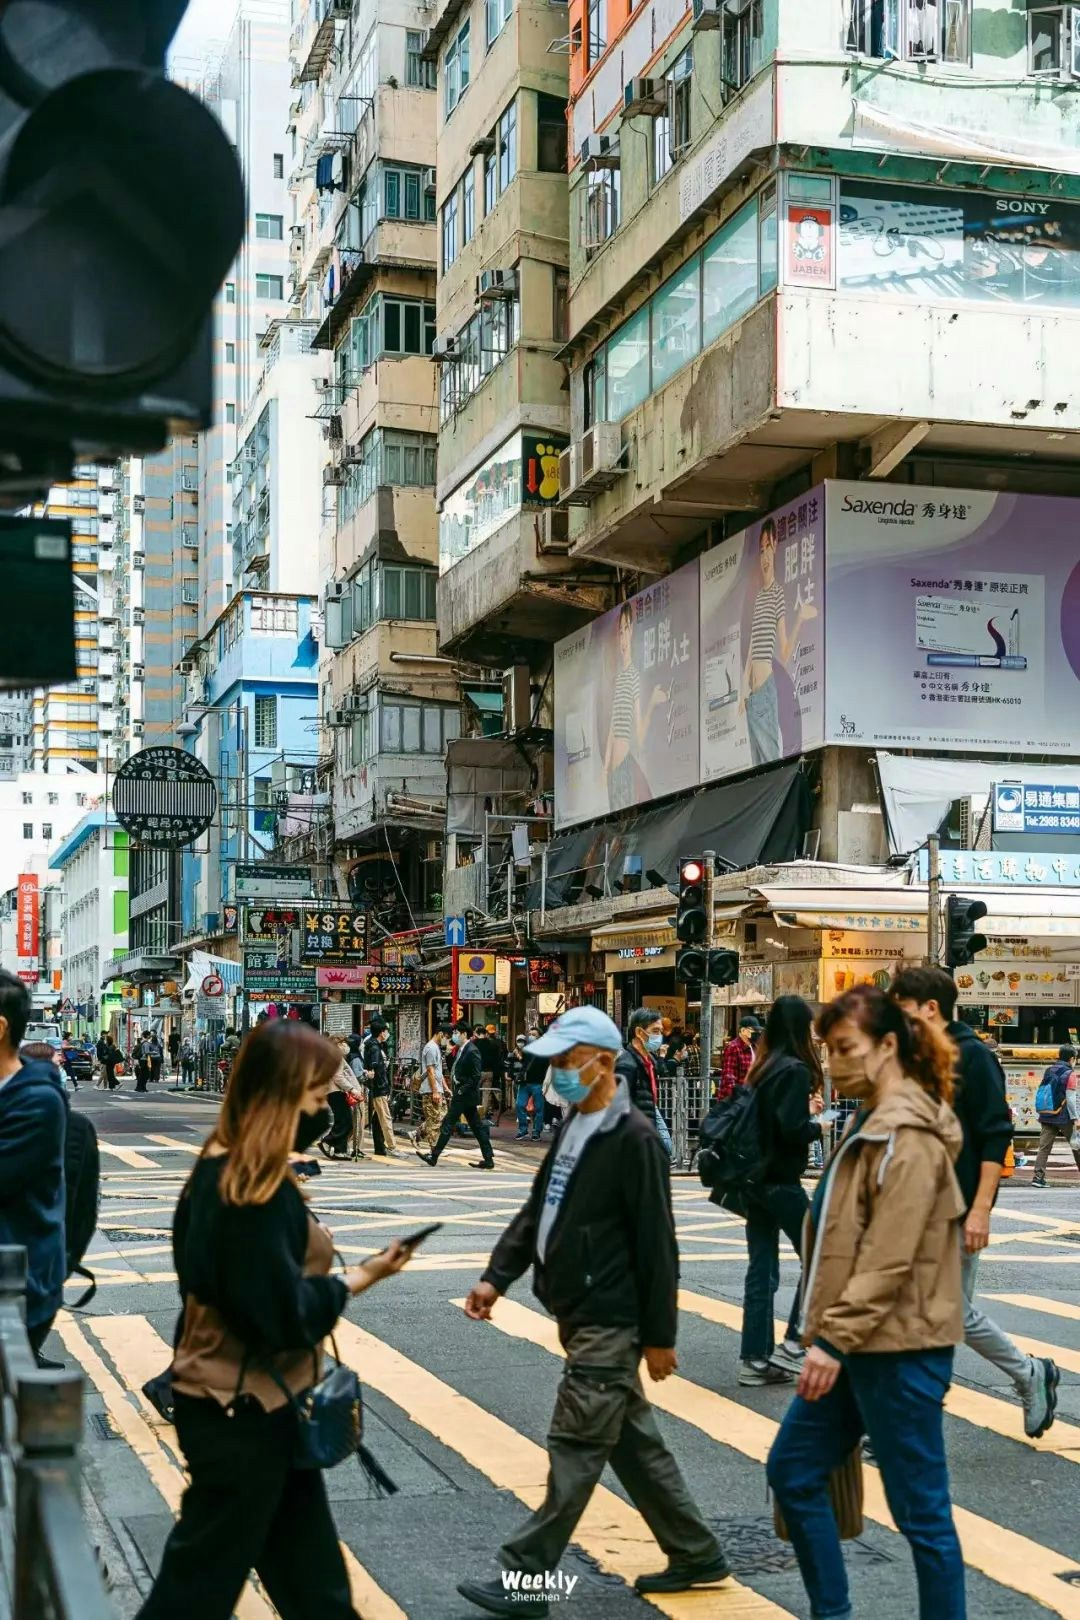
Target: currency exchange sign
[(334, 934), (164, 798)]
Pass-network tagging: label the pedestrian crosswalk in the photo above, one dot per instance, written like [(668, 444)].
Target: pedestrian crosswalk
[(461, 1408)]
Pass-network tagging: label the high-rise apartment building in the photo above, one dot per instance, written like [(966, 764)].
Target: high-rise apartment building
[(363, 242)]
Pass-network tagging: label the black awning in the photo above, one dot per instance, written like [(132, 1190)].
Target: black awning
[(757, 821)]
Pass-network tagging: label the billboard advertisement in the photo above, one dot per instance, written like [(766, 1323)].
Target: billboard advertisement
[(762, 641), (954, 619), (27, 930), (626, 703)]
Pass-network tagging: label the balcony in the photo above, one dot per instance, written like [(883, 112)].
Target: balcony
[(506, 596), (382, 395), (394, 244), (361, 793), (397, 520), (382, 653), (313, 38)]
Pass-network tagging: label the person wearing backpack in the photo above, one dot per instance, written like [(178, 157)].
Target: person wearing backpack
[(33, 1121), (1052, 1107), (260, 1294), (786, 1080)]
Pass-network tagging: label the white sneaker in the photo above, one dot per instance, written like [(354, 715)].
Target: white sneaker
[(789, 1357)]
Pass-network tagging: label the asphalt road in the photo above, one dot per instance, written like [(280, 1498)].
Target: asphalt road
[(457, 1411)]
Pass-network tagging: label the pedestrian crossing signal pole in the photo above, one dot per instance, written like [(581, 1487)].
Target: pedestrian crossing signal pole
[(455, 1012), (709, 863), (933, 886)]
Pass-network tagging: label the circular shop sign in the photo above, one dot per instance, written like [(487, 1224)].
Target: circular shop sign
[(213, 985), (164, 798)]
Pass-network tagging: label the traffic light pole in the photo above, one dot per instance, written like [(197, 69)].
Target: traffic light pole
[(681, 1134), (933, 916)]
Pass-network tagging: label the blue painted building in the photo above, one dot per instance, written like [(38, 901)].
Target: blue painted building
[(251, 700)]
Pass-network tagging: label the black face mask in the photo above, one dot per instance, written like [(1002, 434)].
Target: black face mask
[(310, 1127)]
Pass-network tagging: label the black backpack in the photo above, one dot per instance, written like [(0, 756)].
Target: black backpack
[(732, 1155), (82, 1181)]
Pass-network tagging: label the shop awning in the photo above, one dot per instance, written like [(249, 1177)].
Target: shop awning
[(761, 819), (651, 931), (1054, 912), (860, 911)]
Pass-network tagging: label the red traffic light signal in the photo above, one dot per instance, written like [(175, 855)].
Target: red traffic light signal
[(691, 919), (691, 872)]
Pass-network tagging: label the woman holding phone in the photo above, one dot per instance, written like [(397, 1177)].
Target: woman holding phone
[(259, 1298)]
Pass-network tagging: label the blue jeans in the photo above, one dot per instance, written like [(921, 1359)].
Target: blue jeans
[(536, 1092), (897, 1400), (664, 1134), (769, 1211), (763, 723)]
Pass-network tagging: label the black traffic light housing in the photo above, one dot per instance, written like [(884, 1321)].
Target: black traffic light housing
[(121, 208), (695, 965), (691, 919), (723, 967), (962, 943)]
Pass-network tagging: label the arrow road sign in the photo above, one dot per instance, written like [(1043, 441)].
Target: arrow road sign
[(454, 930)]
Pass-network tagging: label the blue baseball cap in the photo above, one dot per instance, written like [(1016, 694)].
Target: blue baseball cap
[(581, 1026)]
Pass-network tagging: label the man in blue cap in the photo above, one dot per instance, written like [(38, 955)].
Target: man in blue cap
[(597, 1227)]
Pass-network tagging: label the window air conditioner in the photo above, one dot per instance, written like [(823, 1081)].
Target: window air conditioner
[(552, 533), (429, 180), (569, 470), (600, 152), (187, 666), (333, 473), (707, 14), (644, 96), (600, 463), (496, 283), (138, 671), (444, 348), (337, 589)]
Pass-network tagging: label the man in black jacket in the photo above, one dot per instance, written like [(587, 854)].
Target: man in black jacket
[(598, 1229), (980, 1106), (377, 1080), (465, 1078)]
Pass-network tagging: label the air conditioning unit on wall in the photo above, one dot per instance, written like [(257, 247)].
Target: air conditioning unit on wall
[(552, 533), (595, 463)]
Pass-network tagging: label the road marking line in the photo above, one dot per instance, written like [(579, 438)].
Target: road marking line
[(1036, 1302), (1007, 1557), (174, 1142), (422, 1262), (140, 1353), (609, 1531), (143, 1438), (128, 1156)]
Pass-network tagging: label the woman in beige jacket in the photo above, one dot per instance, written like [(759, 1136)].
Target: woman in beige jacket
[(882, 1304)]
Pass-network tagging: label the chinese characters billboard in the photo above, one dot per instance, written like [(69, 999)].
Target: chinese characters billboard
[(626, 703), (954, 619), (762, 641), (27, 931)]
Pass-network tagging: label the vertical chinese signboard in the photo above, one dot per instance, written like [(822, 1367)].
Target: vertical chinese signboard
[(27, 925)]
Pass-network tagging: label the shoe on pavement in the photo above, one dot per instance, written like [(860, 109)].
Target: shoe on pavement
[(426, 1157), (682, 1577), (1038, 1181), (753, 1374), (495, 1598), (788, 1357), (522, 1136), (1040, 1397), (482, 1164)]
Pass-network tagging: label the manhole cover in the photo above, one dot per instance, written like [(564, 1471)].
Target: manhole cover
[(753, 1548), (124, 1234)]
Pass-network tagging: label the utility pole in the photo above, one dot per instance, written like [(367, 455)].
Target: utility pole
[(933, 917), (681, 1122)]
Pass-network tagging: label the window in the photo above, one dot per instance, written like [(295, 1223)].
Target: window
[(269, 286), (1054, 41), (266, 722), (550, 134), (730, 274), (230, 413), (497, 15), (273, 615), (269, 227), (506, 142), (46, 830), (450, 230), (915, 30), (743, 43), (419, 75), (468, 206), (230, 354), (403, 195), (628, 365), (676, 323), (560, 305), (597, 43), (52, 798), (768, 249), (28, 798), (408, 325), (378, 592), (28, 829), (415, 728), (671, 132), (279, 165), (490, 192), (456, 68), (386, 457), (601, 195), (230, 292)]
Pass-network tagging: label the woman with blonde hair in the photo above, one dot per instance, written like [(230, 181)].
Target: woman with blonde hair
[(254, 1268), (882, 1304)]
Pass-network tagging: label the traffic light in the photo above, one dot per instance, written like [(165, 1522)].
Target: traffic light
[(962, 943), (691, 965), (121, 208), (691, 919), (723, 967)]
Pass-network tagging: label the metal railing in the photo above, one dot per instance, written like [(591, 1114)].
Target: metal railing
[(48, 1570)]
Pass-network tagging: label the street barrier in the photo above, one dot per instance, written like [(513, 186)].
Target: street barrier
[(48, 1570)]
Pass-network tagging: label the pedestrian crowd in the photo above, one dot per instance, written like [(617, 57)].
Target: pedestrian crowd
[(889, 1243)]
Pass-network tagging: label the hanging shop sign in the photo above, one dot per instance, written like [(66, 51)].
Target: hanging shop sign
[(164, 798), (545, 973), (261, 881), (27, 929), (272, 924), (397, 982), (334, 934), (343, 976), (1056, 984), (1021, 807), (1005, 870), (266, 979), (639, 953), (230, 919)]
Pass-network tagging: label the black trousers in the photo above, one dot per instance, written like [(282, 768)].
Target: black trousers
[(465, 1107), (339, 1135), (248, 1508)]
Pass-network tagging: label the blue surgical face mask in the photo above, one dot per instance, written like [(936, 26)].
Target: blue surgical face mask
[(569, 1084), (653, 1043), (456, 1038)]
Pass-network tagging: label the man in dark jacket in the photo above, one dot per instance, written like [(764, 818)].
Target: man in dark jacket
[(1056, 1121), (597, 1228), (33, 1122), (377, 1080), (980, 1106), (465, 1082), (639, 1066)]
